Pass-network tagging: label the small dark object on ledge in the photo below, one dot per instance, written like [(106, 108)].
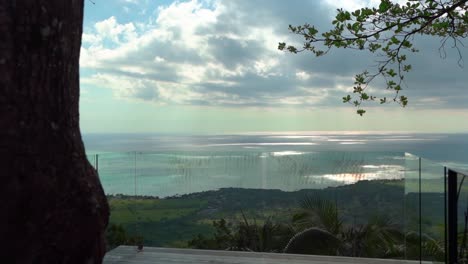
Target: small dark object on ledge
[(140, 248)]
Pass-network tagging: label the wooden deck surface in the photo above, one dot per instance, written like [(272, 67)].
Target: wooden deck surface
[(129, 255)]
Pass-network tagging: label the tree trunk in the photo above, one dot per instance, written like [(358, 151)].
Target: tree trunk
[(53, 208)]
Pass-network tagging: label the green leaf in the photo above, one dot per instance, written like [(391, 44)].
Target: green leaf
[(394, 40), (356, 13), (391, 73), (312, 31), (384, 6), (441, 25), (292, 49), (356, 26), (281, 45), (403, 100), (407, 68), (346, 99), (406, 44)]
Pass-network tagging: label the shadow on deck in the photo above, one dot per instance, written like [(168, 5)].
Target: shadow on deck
[(129, 255)]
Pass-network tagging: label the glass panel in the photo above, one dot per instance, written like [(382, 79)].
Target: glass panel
[(412, 245), (92, 159), (371, 202), (117, 172), (432, 211)]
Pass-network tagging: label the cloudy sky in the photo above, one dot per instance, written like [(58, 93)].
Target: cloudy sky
[(211, 66)]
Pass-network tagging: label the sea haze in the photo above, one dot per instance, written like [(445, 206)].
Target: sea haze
[(166, 165)]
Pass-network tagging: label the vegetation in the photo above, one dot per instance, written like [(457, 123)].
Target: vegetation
[(379, 237), (160, 222), (387, 30), (316, 228), (116, 235), (150, 210), (245, 235), (349, 218)]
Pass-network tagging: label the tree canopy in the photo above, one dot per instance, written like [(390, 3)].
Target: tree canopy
[(388, 31)]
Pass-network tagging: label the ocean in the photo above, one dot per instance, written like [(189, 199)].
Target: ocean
[(176, 164)]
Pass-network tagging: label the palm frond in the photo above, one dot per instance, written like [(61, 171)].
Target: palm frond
[(313, 241), (315, 208)]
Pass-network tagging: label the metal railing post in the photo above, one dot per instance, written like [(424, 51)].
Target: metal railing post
[(96, 162), (420, 210), (445, 217), (135, 173), (452, 217)]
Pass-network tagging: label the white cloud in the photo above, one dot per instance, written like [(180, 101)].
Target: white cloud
[(184, 41), (122, 87), (302, 75), (91, 39), (159, 59), (135, 2), (117, 33)]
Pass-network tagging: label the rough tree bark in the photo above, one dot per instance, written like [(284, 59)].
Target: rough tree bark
[(52, 206)]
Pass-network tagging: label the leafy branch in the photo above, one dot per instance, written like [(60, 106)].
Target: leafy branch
[(388, 31)]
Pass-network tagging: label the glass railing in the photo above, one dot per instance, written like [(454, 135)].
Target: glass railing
[(432, 211), (357, 204)]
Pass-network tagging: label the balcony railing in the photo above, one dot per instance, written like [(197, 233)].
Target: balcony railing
[(353, 204)]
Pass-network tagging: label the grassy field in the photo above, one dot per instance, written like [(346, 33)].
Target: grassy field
[(130, 210)]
